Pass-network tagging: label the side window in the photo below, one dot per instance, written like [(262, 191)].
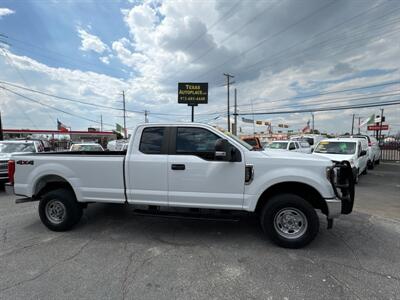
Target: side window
[(196, 141), (152, 140), (297, 145), (291, 146)]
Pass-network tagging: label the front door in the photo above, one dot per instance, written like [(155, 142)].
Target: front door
[(195, 178)]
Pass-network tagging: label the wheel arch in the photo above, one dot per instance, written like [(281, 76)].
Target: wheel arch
[(48, 183), (303, 190)]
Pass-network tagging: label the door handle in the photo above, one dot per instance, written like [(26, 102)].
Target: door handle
[(178, 167)]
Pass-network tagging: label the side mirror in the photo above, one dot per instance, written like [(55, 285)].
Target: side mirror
[(363, 153), (223, 150)]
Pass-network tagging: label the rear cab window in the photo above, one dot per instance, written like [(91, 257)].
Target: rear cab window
[(153, 141)]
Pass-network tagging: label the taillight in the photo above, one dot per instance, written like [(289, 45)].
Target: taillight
[(11, 171), (370, 144)]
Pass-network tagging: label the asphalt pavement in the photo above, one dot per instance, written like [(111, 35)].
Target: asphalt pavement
[(115, 254)]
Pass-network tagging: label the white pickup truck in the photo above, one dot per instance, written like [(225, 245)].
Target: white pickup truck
[(170, 166)]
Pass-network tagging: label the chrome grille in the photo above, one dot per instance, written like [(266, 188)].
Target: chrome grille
[(3, 165)]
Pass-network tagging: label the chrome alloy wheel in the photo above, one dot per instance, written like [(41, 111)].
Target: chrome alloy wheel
[(55, 211), (290, 223)]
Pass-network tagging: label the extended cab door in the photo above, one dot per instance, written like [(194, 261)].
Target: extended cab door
[(196, 179), (146, 167)]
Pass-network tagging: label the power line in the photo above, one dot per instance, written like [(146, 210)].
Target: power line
[(363, 105), (270, 37), (281, 52), (328, 92), (66, 98), (54, 108), (224, 17), (337, 100), (251, 20)]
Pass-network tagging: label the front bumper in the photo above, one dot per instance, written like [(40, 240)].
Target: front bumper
[(342, 180), (334, 208)]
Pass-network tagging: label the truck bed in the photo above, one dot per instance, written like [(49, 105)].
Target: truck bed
[(94, 176)]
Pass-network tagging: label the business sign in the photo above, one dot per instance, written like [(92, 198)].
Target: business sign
[(378, 127), (193, 93)]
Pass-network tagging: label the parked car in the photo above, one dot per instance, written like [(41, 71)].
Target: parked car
[(189, 166), (254, 142), (311, 139), (296, 146), (117, 145), (10, 148), (374, 151), (86, 147), (347, 150)]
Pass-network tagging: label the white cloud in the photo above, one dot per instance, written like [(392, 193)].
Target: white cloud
[(105, 59), (91, 42), (6, 11)]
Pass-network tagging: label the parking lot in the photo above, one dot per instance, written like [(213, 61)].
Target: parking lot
[(115, 254)]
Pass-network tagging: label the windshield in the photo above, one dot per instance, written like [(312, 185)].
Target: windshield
[(16, 147), (280, 145), (86, 148), (304, 144), (336, 147)]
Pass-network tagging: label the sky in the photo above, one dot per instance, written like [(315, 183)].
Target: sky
[(286, 55)]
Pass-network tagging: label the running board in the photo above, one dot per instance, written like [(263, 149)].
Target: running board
[(187, 216), (23, 200)]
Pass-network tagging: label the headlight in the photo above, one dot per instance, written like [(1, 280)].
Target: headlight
[(328, 173), (351, 162)]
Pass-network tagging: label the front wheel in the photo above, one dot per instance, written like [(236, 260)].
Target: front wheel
[(59, 210), (290, 221)]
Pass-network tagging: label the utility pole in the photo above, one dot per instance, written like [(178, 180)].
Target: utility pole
[(101, 122), (380, 130), (123, 102), (145, 116), (228, 77), (1, 129), (352, 125), (235, 114), (312, 116), (359, 123)]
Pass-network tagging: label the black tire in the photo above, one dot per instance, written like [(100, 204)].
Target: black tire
[(356, 178), (371, 165), (56, 201), (365, 172), (276, 207), (377, 162)]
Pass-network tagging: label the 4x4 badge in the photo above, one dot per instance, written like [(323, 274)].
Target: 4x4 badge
[(25, 162)]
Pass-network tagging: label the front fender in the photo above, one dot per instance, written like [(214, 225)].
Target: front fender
[(285, 174)]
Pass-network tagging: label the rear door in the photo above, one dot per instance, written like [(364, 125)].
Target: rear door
[(146, 164), (196, 179)]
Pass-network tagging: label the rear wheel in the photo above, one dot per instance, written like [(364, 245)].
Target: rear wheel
[(59, 210), (377, 162), (290, 221)]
